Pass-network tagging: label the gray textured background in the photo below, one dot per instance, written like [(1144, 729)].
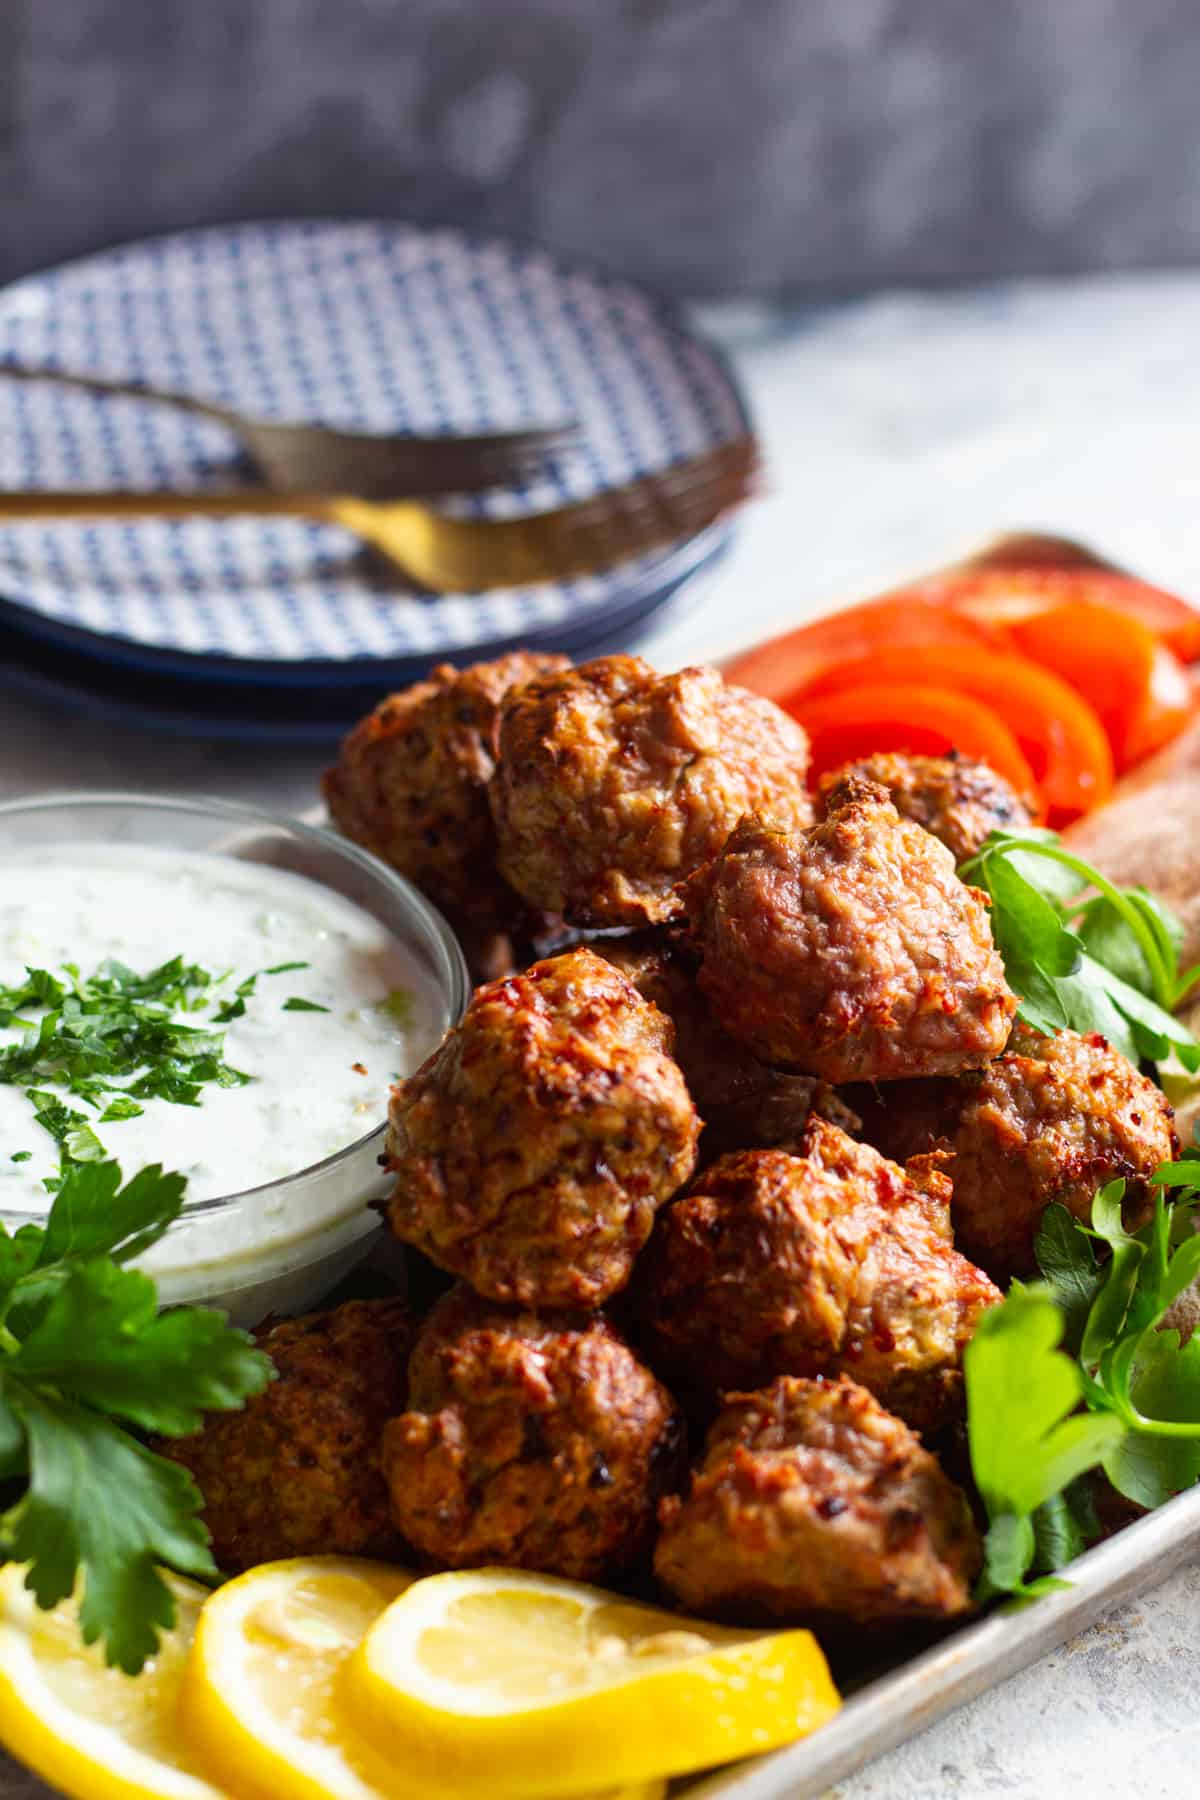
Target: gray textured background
[(714, 146)]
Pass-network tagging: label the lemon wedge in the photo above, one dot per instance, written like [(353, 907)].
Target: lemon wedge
[(89, 1730), (262, 1690), (517, 1686)]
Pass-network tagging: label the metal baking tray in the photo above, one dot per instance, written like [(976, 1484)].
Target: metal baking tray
[(917, 1691)]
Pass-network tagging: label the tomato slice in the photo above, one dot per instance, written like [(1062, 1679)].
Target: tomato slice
[(1137, 687), (1060, 736), (922, 720), (1000, 597), (785, 664)]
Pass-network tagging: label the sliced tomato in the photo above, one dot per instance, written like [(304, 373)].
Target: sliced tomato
[(1000, 597), (921, 720), (1060, 736), (785, 664), (1138, 688)]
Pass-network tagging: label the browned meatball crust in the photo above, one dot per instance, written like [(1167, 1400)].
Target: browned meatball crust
[(744, 1104), (532, 1148), (832, 1261), (852, 950), (411, 784), (1052, 1119), (536, 1441), (614, 782), (297, 1472), (960, 801), (812, 1503)]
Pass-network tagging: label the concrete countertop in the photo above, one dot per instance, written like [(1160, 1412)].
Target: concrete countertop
[(899, 430)]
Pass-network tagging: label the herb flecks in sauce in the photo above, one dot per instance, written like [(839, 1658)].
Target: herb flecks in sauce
[(236, 921), (398, 1005), (117, 1033)]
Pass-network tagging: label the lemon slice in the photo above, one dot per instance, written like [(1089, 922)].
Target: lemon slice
[(89, 1730), (513, 1685), (262, 1687), (260, 1691)]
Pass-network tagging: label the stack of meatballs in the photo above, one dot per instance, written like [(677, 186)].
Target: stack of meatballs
[(724, 1185)]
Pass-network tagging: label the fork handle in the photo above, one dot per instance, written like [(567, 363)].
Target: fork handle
[(128, 390), (85, 503)]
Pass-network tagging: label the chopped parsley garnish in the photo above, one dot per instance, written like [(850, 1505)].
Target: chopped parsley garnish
[(1083, 953), (86, 1359), (399, 1005), (121, 1108), (114, 1039)]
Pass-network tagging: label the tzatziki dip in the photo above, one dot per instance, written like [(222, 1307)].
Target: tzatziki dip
[(228, 1019)]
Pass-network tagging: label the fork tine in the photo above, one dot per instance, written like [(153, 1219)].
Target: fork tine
[(535, 440), (518, 450), (663, 494), (456, 555)]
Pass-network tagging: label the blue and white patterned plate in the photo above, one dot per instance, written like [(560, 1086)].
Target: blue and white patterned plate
[(375, 326)]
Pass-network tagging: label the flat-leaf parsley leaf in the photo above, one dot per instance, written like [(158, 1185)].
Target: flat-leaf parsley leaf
[(84, 1353), (1081, 952)]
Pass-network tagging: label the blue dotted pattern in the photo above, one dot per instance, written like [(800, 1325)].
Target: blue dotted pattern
[(365, 325)]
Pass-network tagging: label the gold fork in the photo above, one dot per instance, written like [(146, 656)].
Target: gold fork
[(300, 459), (463, 556)]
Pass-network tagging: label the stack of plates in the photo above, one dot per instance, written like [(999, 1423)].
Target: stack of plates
[(278, 629)]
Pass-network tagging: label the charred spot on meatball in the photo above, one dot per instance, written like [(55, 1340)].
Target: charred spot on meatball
[(298, 1471), (538, 1441), (1052, 1120), (411, 786), (959, 800), (614, 782), (851, 950), (813, 1504), (532, 1149), (831, 1261)]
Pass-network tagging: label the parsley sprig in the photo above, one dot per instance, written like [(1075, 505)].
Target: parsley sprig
[(1077, 1374), (85, 1356), (1083, 953)]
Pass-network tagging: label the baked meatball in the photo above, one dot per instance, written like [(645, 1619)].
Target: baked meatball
[(960, 801), (411, 784), (744, 1104), (814, 1504), (1052, 1119), (851, 950), (531, 1149), (535, 1441), (614, 782), (831, 1261), (297, 1472)]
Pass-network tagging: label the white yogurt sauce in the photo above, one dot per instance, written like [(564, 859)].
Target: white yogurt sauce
[(319, 1079)]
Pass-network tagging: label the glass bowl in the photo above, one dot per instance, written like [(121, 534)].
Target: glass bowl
[(275, 1247)]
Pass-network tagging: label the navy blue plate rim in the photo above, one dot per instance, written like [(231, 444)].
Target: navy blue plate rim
[(226, 725)]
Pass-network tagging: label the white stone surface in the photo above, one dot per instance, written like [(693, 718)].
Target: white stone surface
[(1109, 1716), (899, 430)]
